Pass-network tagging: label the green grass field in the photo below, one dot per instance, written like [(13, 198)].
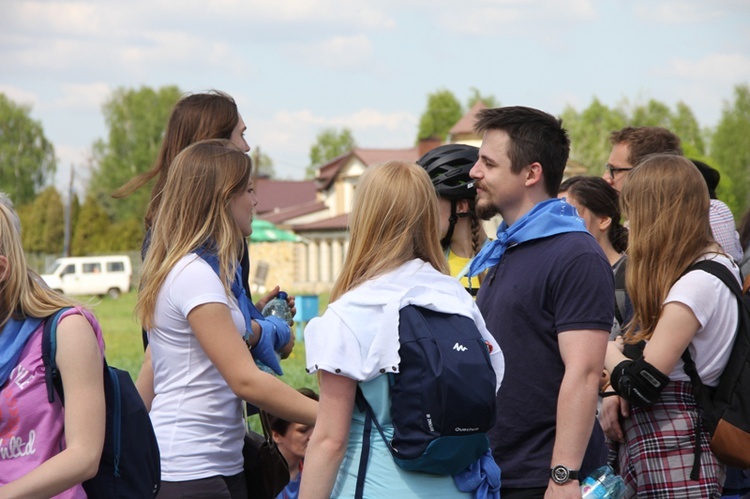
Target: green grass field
[(124, 347)]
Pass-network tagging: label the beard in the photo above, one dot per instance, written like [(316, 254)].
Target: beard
[(485, 209)]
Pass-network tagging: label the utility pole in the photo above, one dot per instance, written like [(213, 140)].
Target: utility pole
[(69, 214)]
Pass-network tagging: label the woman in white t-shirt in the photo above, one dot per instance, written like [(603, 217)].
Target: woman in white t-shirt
[(197, 316), (666, 202)]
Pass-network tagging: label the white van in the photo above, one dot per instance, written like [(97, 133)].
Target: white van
[(90, 275)]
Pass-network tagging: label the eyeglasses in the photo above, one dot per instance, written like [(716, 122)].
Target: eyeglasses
[(614, 170)]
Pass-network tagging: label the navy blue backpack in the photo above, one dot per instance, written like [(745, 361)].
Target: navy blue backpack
[(129, 466), (443, 398)]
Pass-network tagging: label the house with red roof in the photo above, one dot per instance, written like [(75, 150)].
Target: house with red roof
[(318, 211)]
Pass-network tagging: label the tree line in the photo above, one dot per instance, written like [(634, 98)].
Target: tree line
[(135, 120)]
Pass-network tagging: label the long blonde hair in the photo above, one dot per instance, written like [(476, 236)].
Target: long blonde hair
[(666, 201), (22, 291), (201, 183), (394, 219)]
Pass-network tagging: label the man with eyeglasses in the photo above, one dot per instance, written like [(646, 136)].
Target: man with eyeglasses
[(631, 144)]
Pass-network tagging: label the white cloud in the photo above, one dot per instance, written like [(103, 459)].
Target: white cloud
[(686, 11), (338, 52), (20, 95), (509, 17), (363, 15), (288, 135), (85, 96), (731, 68)]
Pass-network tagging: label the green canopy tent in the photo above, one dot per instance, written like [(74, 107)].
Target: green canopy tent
[(266, 232)]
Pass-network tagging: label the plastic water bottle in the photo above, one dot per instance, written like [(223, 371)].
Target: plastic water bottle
[(603, 484), (280, 308)]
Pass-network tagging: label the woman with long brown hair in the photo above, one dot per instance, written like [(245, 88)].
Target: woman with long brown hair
[(666, 201)]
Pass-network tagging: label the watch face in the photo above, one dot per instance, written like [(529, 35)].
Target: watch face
[(560, 474)]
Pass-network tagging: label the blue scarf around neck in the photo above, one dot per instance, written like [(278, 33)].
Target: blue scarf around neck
[(548, 218), (274, 332), (13, 338)]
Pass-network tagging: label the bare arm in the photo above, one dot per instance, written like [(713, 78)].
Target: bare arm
[(79, 361), (330, 437), (582, 352), (213, 327), (673, 333), (145, 381), (675, 330)]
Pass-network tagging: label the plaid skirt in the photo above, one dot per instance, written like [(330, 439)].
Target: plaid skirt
[(659, 450)]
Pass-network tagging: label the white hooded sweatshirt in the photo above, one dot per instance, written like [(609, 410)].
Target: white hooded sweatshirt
[(357, 336)]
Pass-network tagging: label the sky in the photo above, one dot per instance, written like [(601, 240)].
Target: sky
[(296, 67)]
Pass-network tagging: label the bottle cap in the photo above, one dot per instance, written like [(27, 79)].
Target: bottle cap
[(282, 295)]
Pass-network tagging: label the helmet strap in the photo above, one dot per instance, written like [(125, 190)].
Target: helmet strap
[(446, 241)]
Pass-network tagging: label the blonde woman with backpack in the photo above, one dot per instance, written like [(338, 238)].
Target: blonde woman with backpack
[(653, 414), (45, 450), (394, 260)]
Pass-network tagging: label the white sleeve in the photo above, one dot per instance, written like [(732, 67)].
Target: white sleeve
[(196, 284)]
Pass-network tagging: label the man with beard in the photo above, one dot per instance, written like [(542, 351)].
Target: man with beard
[(548, 299)]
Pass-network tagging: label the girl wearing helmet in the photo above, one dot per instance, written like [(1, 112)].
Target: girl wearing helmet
[(461, 232)]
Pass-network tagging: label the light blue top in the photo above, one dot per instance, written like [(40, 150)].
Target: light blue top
[(384, 478)]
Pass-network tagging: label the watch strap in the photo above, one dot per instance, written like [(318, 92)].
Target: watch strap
[(561, 474)]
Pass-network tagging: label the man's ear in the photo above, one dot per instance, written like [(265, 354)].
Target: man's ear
[(534, 174)]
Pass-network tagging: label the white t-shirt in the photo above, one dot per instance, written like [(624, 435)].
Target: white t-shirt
[(196, 416), (715, 307)]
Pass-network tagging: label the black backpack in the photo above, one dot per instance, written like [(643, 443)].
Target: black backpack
[(129, 466), (443, 398), (725, 410)]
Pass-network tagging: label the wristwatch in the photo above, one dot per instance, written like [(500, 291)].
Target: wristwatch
[(561, 475)]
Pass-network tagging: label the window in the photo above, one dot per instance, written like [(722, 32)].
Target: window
[(92, 268), (115, 267), (70, 269)]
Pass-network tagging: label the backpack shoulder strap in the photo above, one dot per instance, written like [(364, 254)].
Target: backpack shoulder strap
[(363, 406), (49, 351), (701, 393), (620, 292), (721, 272), (725, 275)]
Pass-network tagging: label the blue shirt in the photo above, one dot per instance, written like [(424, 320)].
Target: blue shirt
[(541, 288)]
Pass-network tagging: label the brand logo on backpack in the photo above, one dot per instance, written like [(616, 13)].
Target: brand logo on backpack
[(459, 348)]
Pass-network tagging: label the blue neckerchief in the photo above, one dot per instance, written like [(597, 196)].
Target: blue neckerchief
[(248, 310), (481, 478), (547, 218), (13, 338), (271, 338)]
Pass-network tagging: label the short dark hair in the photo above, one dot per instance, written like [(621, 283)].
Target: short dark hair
[(710, 175), (601, 199), (281, 426), (535, 136), (646, 140)]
